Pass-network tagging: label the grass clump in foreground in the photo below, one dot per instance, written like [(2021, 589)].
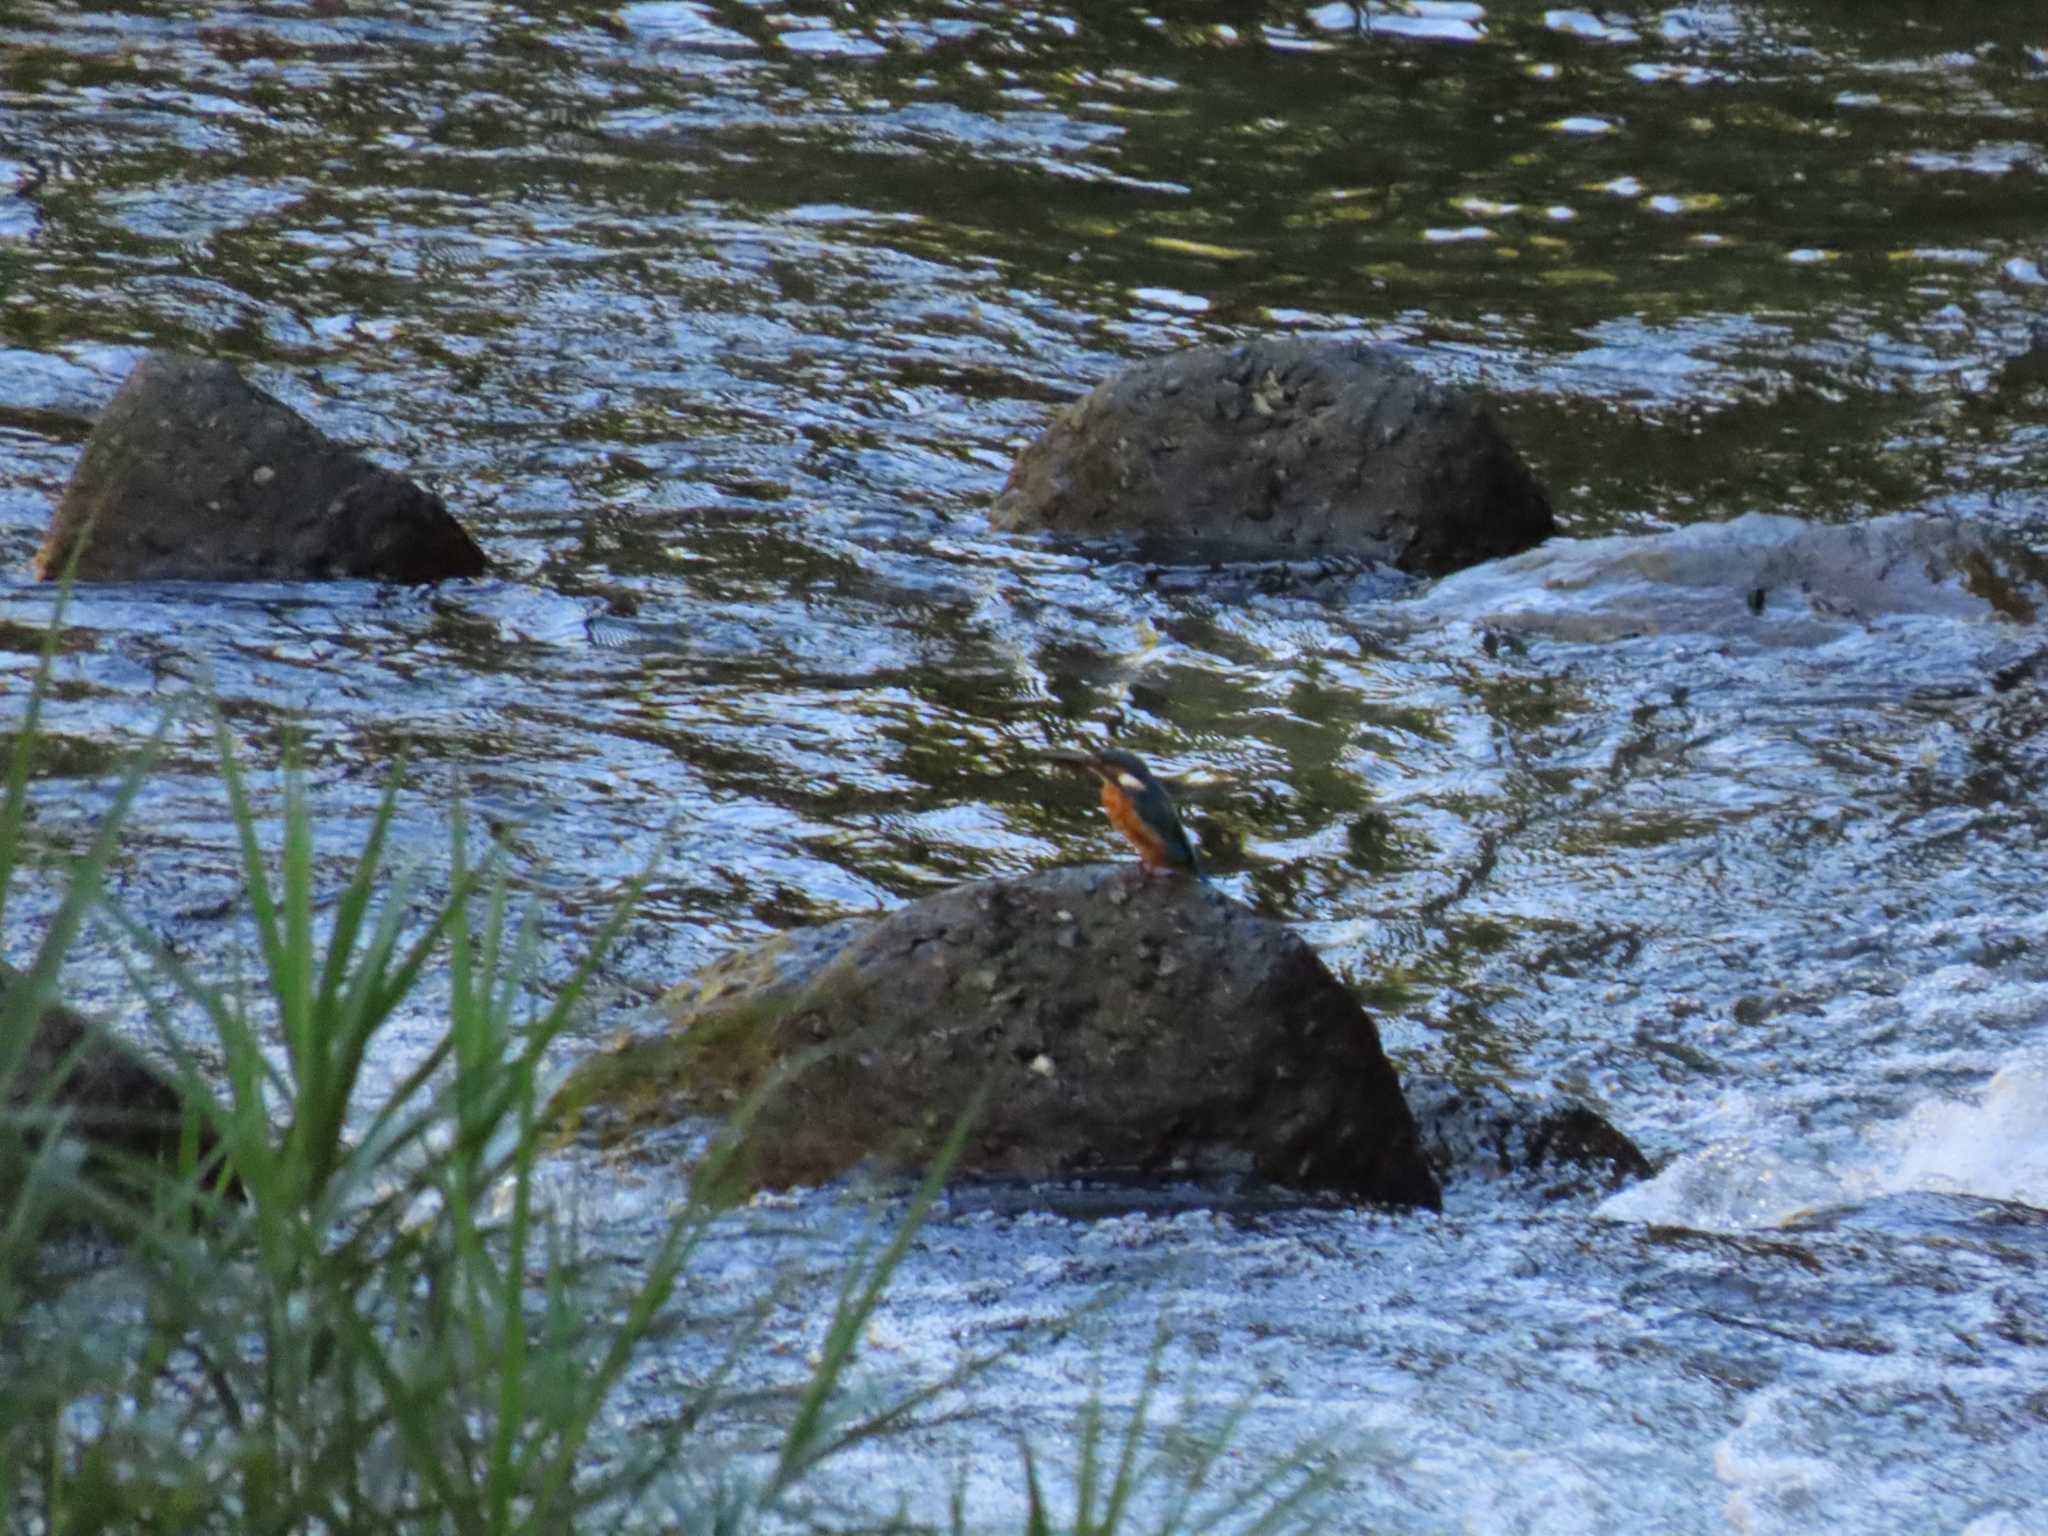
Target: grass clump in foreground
[(336, 1315)]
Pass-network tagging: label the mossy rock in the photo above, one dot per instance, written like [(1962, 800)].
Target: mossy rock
[(716, 1044)]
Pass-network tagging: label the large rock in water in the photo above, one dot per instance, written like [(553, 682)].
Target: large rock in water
[(1282, 445), (192, 472), (1118, 1025)]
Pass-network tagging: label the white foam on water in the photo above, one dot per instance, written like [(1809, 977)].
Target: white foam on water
[(2003, 1524), (1994, 1146), (1542, 1494), (1729, 1185), (1790, 1468), (1770, 1482)]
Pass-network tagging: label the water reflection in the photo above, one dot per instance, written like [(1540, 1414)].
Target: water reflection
[(721, 322)]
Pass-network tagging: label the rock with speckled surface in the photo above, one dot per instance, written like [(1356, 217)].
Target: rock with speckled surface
[(1111, 1025), (1282, 445), (193, 473)]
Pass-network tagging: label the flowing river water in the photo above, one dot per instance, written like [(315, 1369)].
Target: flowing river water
[(719, 323)]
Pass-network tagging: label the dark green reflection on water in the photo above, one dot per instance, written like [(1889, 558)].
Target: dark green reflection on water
[(1704, 260)]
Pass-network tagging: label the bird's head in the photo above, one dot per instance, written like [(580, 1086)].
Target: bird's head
[(1114, 766)]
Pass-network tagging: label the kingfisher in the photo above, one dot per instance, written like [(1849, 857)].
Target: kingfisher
[(1138, 808)]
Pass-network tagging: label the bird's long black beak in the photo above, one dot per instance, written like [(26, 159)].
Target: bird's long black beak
[(1070, 758)]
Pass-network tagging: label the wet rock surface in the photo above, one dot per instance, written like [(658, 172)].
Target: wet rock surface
[(1762, 577), (1479, 1132), (193, 473), (1293, 444), (1109, 1023)]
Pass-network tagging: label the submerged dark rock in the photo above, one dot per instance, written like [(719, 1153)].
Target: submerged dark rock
[(1474, 1131), (1282, 444), (1108, 1023), (107, 1094), (192, 472)]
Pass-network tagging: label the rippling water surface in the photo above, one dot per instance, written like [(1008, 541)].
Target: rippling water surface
[(719, 323)]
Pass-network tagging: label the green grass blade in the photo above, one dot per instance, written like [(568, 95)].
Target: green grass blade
[(355, 899), (14, 801), (254, 866)]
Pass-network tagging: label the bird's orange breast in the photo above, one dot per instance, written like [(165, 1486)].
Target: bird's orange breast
[(1123, 815)]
